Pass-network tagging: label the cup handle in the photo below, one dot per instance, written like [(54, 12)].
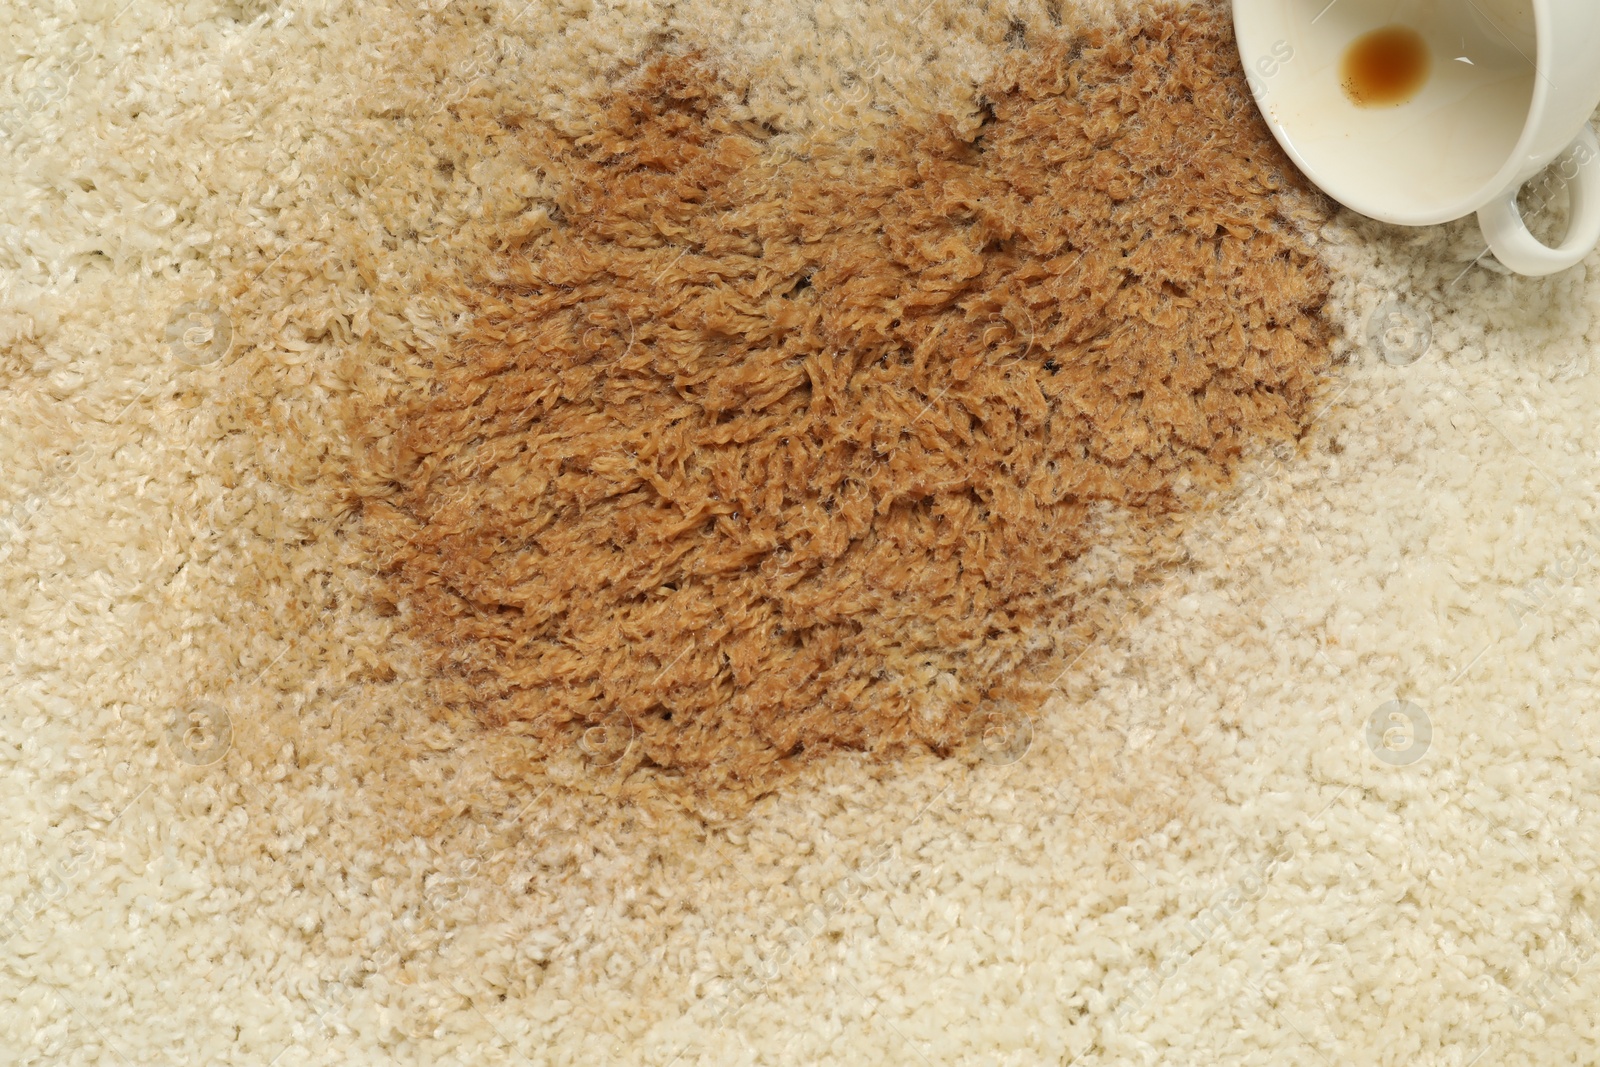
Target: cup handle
[(1519, 250)]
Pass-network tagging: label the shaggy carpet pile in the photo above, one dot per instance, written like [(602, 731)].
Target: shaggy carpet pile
[(746, 459), (733, 533)]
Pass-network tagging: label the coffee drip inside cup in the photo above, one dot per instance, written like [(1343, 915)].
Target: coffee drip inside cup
[(1386, 67)]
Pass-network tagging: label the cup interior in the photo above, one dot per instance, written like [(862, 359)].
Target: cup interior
[(1434, 157)]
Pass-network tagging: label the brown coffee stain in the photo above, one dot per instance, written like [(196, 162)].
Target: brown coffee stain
[(753, 456), (837, 444)]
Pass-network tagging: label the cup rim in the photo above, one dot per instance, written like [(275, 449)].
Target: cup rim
[(1509, 174)]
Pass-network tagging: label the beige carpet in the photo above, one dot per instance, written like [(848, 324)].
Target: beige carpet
[(1324, 792)]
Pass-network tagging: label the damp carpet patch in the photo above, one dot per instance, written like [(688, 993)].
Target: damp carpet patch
[(753, 455)]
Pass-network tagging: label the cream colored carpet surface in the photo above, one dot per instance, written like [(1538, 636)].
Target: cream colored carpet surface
[(1322, 789)]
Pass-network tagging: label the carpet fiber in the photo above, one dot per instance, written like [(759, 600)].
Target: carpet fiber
[(1281, 741), (750, 458)]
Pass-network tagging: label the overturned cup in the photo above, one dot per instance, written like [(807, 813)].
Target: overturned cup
[(1417, 112)]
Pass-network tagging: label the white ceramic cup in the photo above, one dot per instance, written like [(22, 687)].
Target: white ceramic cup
[(1512, 87)]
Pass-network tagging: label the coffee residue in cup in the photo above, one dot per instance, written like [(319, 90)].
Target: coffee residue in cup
[(1385, 67)]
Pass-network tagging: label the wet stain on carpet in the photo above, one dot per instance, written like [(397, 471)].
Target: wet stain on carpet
[(753, 453)]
